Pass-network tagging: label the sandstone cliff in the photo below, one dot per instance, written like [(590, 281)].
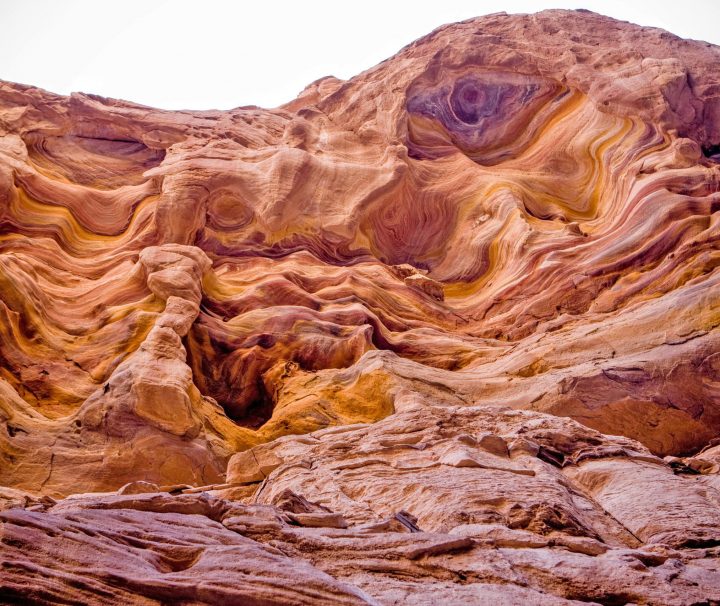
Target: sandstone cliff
[(444, 333)]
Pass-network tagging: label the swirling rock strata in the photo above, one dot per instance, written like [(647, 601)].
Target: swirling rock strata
[(514, 213)]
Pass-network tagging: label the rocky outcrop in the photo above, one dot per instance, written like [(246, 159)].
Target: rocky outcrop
[(448, 328), (434, 504)]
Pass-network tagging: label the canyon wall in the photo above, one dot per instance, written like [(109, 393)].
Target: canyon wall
[(446, 332)]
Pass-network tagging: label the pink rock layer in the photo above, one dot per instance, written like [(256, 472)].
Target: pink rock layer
[(322, 353)]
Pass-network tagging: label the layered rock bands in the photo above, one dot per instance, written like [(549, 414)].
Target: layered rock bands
[(444, 333)]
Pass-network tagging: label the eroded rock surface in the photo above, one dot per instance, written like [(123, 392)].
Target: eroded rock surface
[(435, 504), (446, 332)]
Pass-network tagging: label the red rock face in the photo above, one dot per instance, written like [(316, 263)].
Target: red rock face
[(446, 332)]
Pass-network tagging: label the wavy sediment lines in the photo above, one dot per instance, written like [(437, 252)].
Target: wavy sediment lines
[(98, 163), (338, 337), (627, 234), (103, 213), (71, 289), (32, 217), (473, 221), (298, 310), (551, 208)]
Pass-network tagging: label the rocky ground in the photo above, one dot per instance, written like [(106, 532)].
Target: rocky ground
[(432, 505)]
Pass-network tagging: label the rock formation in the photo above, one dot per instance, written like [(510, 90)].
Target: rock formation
[(444, 333)]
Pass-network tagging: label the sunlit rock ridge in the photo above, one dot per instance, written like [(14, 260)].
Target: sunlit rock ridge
[(443, 333)]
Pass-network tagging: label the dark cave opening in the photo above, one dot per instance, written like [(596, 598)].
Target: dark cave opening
[(712, 152), (239, 389), (256, 412)]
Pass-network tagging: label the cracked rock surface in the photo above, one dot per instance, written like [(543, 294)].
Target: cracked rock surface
[(434, 504)]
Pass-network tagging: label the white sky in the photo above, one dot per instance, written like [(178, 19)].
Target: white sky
[(220, 54)]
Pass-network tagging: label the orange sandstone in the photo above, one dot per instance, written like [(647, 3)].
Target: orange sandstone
[(343, 333)]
